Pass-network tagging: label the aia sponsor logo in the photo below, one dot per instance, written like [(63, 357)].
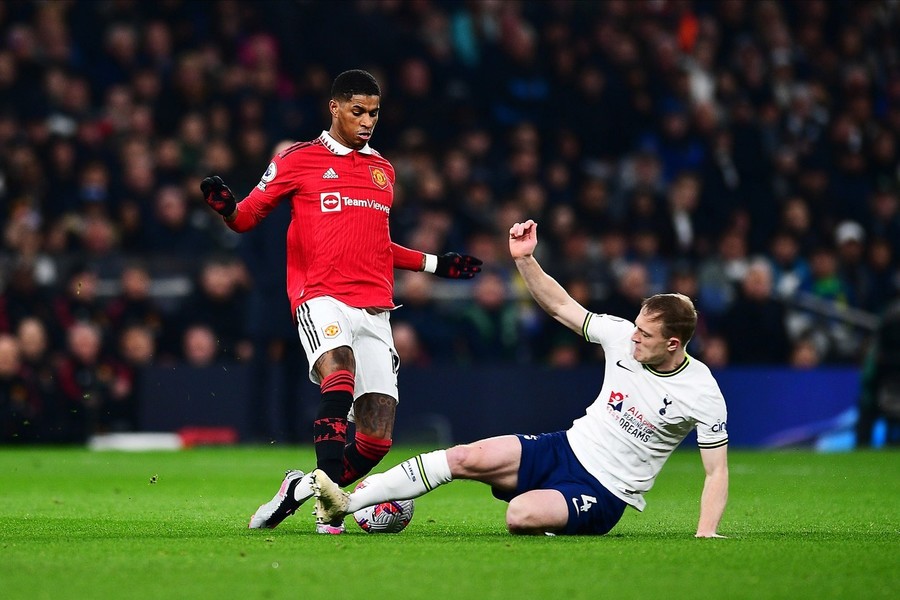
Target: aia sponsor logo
[(330, 201), (616, 399), (378, 177)]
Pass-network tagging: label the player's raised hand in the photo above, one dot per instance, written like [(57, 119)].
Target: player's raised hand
[(457, 266), (218, 195), (522, 239)]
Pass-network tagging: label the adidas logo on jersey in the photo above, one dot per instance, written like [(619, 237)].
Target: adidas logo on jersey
[(330, 174)]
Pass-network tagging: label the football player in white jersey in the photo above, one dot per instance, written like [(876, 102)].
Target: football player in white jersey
[(581, 480)]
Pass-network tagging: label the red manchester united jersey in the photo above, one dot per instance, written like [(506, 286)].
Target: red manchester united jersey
[(338, 241)]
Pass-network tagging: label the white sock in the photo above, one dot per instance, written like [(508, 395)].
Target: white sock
[(409, 479), (303, 491)]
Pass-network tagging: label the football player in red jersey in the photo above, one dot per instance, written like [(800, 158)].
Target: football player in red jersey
[(340, 262)]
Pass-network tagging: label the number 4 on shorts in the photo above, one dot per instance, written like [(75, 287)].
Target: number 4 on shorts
[(586, 503)]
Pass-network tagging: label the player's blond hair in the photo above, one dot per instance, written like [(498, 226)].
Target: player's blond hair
[(675, 312)]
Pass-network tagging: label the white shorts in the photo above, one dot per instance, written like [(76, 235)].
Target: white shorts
[(324, 324)]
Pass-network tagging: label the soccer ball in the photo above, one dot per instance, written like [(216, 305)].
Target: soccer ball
[(387, 517)]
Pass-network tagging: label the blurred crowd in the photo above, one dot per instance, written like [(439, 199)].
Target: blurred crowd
[(744, 153)]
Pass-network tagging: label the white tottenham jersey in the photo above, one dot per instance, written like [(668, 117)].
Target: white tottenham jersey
[(641, 415)]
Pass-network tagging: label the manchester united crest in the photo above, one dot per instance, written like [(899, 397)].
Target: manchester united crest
[(378, 177), (331, 330)]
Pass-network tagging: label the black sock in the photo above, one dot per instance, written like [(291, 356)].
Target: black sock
[(330, 426)]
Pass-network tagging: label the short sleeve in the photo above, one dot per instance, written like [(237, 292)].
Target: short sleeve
[(712, 421), (606, 330)]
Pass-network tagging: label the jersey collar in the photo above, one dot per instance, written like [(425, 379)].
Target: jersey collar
[(676, 371), (338, 148)]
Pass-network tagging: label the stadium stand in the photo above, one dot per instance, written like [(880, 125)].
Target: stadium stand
[(650, 139)]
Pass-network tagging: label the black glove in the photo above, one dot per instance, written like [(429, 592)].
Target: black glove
[(218, 195), (457, 266)]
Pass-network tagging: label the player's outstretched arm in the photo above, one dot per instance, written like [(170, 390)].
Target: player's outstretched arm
[(544, 289), (715, 490)]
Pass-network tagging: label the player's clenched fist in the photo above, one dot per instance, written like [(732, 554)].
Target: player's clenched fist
[(218, 195), (522, 239), (457, 266)]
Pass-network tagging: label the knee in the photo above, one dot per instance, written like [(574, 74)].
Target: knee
[(536, 512), (339, 359), (463, 460), (520, 518)]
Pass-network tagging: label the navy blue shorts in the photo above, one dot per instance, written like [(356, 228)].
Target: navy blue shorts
[(548, 463)]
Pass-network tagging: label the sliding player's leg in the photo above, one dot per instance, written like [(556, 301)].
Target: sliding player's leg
[(494, 461), (555, 494)]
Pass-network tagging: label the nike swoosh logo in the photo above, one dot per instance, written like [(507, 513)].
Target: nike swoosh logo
[(619, 364)]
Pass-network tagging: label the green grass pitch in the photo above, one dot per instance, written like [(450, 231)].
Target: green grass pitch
[(81, 524)]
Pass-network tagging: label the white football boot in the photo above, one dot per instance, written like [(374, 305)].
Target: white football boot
[(331, 504), (329, 529), (294, 491)]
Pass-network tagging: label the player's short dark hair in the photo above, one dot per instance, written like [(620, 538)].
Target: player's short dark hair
[(355, 81), (675, 312)]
